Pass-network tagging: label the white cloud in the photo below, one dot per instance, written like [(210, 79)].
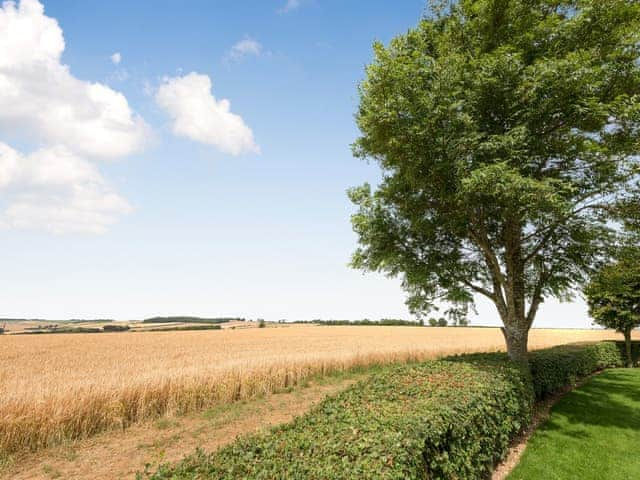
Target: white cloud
[(56, 190), (41, 100), (290, 5), (196, 114), (245, 47)]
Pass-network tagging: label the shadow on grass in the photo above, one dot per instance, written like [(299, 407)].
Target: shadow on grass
[(611, 399)]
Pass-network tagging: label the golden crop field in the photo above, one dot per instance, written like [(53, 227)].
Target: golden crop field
[(67, 386)]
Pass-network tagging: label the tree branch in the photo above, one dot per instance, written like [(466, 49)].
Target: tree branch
[(536, 299), (551, 229), (479, 289), (495, 271)]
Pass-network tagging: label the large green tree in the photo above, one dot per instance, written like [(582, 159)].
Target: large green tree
[(506, 130), (613, 296)]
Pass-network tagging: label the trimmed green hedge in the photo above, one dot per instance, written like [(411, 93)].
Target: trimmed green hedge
[(447, 419), (556, 368), (441, 416)]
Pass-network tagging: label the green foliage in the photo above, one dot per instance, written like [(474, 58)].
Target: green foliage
[(115, 328), (261, 324), (385, 322), (635, 352), (63, 329), (613, 295), (395, 426), (180, 328), (191, 320), (506, 132), (448, 419), (555, 368)]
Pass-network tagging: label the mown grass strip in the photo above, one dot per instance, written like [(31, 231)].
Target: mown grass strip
[(593, 433)]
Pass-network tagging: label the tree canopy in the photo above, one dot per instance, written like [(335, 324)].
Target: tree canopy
[(507, 133), (613, 296)]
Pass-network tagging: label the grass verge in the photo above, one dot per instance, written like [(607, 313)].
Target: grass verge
[(592, 433)]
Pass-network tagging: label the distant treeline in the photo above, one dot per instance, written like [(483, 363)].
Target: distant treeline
[(112, 328), (192, 320), (432, 322), (185, 327), (47, 331), (366, 321)]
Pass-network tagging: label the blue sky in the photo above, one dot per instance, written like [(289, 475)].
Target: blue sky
[(173, 217)]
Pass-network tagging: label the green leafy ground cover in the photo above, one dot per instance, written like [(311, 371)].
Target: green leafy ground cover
[(445, 419), (379, 429), (593, 433)]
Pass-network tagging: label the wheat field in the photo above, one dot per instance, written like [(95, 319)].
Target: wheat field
[(60, 387)]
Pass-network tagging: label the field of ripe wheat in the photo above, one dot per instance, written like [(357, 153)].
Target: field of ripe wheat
[(59, 387)]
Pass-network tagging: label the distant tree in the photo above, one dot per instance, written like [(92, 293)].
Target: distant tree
[(261, 323), (613, 296), (507, 131), (442, 322), (433, 322)]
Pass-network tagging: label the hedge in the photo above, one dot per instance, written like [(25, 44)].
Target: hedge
[(556, 368), (446, 419)]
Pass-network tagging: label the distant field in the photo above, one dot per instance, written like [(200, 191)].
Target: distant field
[(15, 327), (57, 387)]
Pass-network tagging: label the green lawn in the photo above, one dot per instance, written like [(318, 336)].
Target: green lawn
[(593, 433)]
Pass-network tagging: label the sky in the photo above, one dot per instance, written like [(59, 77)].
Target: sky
[(170, 158)]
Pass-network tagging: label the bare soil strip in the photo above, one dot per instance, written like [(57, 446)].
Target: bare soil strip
[(118, 455)]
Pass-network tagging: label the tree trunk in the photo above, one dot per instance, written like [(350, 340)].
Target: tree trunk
[(627, 344), (517, 338), (516, 329)]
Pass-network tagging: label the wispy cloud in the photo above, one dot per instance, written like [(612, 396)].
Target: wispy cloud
[(290, 6), (116, 58), (244, 48), (119, 75)]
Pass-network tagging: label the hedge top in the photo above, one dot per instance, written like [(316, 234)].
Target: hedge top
[(450, 419)]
